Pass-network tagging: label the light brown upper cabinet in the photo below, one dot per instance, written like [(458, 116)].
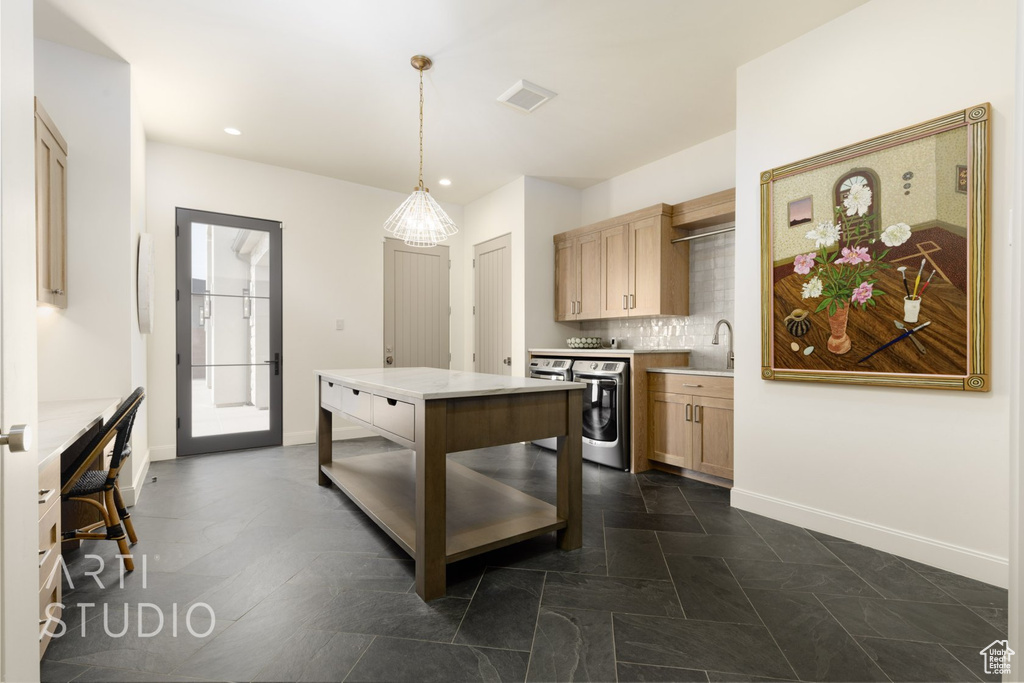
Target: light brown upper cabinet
[(578, 277), (625, 266), (51, 212)]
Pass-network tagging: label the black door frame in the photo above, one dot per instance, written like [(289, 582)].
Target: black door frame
[(186, 443)]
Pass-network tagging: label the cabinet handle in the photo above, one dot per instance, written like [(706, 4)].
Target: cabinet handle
[(58, 292), (632, 301), (45, 495), (392, 401), (697, 414), (579, 307), (698, 386), (624, 298), (688, 409)]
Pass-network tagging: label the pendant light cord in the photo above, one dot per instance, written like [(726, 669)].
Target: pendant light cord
[(421, 129)]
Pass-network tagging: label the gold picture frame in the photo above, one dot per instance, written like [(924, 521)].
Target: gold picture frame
[(890, 285)]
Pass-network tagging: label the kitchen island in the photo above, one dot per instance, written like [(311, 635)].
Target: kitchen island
[(440, 511)]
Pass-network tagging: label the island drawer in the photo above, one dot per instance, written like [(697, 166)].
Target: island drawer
[(397, 417), (330, 395), (357, 403)]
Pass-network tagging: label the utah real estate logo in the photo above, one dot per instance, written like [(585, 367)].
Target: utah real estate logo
[(997, 658)]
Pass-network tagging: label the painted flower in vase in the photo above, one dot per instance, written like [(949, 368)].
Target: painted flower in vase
[(843, 272)]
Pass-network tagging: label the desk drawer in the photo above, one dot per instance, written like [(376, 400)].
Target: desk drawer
[(357, 403), (49, 541), (49, 486), (397, 417), (330, 395), (693, 385)]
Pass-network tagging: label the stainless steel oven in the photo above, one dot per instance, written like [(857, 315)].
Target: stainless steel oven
[(605, 411), (555, 369)]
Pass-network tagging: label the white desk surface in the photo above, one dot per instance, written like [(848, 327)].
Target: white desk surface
[(61, 423), (433, 383)]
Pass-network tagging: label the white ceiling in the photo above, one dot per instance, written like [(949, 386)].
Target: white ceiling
[(325, 86)]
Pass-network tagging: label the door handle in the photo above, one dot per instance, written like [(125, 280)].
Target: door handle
[(507, 361), (276, 363), (389, 360), (18, 439)]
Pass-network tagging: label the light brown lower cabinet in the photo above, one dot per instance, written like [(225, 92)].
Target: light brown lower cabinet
[(691, 422)]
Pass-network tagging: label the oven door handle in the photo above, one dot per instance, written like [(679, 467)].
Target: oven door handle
[(596, 380)]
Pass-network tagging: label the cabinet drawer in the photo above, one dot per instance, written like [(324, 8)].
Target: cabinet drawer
[(49, 486), (330, 395), (694, 385), (49, 595), (357, 403), (397, 417), (49, 541)]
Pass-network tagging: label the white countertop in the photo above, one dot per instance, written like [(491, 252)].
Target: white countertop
[(604, 353), (433, 383), (709, 372), (61, 423)]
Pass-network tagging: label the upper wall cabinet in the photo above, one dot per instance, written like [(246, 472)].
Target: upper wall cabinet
[(578, 277), (51, 212), (704, 212), (622, 267)]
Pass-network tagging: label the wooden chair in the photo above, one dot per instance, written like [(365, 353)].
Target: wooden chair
[(83, 481)]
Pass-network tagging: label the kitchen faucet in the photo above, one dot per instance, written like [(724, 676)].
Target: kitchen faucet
[(730, 363)]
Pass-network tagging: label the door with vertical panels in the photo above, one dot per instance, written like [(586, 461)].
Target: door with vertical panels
[(492, 317), (416, 308)]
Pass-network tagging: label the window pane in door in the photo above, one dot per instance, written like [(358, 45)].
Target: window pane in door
[(230, 399), (230, 261)]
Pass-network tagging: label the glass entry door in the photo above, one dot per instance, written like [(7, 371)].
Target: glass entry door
[(229, 364)]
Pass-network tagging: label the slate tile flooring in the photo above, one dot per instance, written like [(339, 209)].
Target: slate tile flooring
[(672, 584)]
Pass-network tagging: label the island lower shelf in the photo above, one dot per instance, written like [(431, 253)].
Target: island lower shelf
[(481, 514)]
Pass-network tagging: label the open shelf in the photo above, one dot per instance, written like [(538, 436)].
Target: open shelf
[(481, 513)]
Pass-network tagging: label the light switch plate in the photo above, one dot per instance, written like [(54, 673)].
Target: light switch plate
[(339, 324)]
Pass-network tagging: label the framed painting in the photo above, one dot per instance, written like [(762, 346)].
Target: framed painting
[(887, 282)]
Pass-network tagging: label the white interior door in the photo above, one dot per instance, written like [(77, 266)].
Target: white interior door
[(417, 312), (492, 309), (19, 471)]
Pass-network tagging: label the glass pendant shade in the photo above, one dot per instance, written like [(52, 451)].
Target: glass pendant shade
[(420, 221)]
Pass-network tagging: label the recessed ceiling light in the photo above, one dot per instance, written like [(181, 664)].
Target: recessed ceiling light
[(445, 182), (232, 131)]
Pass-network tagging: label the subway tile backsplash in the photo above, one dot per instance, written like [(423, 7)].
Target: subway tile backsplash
[(712, 297)]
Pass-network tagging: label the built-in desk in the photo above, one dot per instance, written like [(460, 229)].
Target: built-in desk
[(440, 511), (65, 427)]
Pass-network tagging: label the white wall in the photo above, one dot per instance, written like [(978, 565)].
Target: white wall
[(333, 260), (918, 473), (94, 348), (85, 350), (693, 172), (550, 209)]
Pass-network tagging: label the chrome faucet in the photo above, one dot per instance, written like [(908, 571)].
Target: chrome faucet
[(730, 363)]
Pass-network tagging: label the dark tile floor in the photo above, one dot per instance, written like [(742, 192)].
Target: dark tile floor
[(672, 584)]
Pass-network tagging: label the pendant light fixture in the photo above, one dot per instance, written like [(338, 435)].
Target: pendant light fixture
[(420, 221)]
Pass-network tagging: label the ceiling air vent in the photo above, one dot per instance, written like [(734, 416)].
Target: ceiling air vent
[(525, 97)]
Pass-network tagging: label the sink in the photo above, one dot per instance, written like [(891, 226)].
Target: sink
[(713, 372)]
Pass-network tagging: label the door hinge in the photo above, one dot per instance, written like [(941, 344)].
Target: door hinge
[(474, 310), (177, 231), (177, 295), (179, 359), (449, 310), (449, 357), (474, 263), (474, 357), (179, 423)]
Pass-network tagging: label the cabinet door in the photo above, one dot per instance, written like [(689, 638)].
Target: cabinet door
[(588, 263), (671, 429), (51, 213), (713, 436), (565, 280), (645, 274), (614, 272)]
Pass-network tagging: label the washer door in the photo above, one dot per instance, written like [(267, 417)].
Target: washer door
[(600, 408)]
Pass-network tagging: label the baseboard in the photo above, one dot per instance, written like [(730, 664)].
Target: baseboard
[(131, 493), (976, 565), (158, 453), (337, 434)]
